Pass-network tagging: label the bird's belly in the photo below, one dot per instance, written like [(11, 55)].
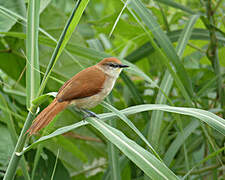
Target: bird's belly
[(92, 101), (88, 102)]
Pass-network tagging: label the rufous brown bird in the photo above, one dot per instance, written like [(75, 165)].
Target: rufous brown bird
[(85, 90)]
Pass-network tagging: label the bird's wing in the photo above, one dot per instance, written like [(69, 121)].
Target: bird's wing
[(84, 84)]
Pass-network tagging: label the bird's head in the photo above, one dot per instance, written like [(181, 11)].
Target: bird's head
[(111, 66)]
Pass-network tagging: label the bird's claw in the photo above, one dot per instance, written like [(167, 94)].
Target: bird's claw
[(89, 114)]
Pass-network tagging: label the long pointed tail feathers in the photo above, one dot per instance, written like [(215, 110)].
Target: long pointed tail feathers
[(47, 115)]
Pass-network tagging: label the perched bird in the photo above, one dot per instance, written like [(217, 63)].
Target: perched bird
[(85, 90)]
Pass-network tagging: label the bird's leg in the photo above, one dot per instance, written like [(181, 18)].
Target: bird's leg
[(89, 114)]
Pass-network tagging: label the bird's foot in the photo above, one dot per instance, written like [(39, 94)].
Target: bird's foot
[(89, 114)]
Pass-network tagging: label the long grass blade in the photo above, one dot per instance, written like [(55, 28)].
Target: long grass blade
[(198, 34), (211, 119), (131, 125), (32, 81), (142, 158), (141, 52), (167, 62), (157, 116), (64, 38), (32, 76), (186, 34), (147, 48), (56, 133), (117, 19), (166, 84), (55, 165), (90, 53), (164, 42), (176, 5)]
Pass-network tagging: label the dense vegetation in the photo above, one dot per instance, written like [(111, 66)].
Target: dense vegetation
[(165, 116)]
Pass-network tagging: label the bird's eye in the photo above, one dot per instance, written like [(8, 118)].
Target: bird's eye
[(113, 65)]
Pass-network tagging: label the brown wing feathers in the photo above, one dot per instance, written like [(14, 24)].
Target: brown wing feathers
[(84, 84)]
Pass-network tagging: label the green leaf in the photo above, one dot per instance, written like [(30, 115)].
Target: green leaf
[(10, 60), (185, 35), (39, 100), (56, 133), (147, 48), (17, 6), (44, 4), (32, 68), (131, 125), (6, 146), (75, 18), (176, 5), (166, 84), (142, 158), (211, 119), (53, 173), (164, 42), (117, 19), (8, 119), (93, 54), (64, 38), (157, 116), (166, 62)]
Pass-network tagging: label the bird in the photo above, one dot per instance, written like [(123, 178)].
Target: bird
[(84, 90)]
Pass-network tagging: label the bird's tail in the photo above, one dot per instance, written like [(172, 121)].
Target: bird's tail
[(46, 116)]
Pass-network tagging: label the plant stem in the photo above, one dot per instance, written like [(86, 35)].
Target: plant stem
[(217, 5), (13, 163), (212, 52), (205, 169), (32, 83), (167, 26)]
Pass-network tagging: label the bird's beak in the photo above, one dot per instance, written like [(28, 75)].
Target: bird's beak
[(123, 66)]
